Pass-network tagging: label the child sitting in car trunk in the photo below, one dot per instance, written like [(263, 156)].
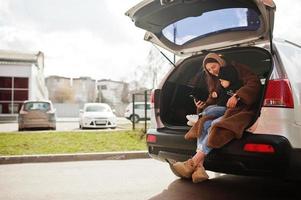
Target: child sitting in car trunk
[(229, 83)]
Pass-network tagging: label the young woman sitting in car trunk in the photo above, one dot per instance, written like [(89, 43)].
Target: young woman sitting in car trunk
[(229, 84), (215, 133)]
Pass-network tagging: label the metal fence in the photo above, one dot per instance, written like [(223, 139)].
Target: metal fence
[(146, 94)]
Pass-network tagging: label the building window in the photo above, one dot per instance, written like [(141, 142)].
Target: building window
[(21, 83), (20, 95), (5, 94), (5, 82), (103, 87), (13, 92)]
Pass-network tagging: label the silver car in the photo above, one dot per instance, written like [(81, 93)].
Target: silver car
[(241, 31)]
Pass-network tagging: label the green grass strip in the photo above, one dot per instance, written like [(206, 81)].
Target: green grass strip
[(29, 143)]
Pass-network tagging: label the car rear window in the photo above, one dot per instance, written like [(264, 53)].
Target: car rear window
[(43, 106), (212, 22), (142, 106), (97, 108)]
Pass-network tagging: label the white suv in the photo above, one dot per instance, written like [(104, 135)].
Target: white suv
[(240, 30), (139, 111)]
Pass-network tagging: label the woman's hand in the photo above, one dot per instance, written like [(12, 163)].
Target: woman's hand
[(232, 101), (199, 104), (214, 95)]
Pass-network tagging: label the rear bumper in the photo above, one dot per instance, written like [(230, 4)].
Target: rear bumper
[(37, 124), (94, 123), (232, 159), (99, 126)]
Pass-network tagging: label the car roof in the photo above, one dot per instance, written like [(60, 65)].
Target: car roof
[(36, 101), (95, 104), (140, 102)]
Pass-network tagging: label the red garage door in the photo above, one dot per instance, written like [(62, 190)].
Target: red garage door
[(13, 92)]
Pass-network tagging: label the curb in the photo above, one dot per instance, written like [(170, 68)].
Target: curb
[(74, 157)]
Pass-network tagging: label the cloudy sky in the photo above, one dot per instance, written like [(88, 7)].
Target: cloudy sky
[(93, 37)]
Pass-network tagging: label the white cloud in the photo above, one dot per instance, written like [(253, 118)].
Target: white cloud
[(288, 20), (107, 47)]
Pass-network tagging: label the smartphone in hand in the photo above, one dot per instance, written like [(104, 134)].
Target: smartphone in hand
[(194, 98)]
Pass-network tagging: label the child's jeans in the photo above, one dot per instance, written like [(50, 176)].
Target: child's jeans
[(216, 111)]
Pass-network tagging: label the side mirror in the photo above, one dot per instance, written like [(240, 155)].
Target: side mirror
[(81, 111), (114, 111)]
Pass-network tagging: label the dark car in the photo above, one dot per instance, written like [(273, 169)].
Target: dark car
[(37, 115), (241, 31)]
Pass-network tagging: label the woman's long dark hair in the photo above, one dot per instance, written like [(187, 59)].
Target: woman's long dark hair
[(212, 81)]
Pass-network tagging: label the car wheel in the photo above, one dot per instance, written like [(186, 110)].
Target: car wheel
[(113, 127), (134, 118)]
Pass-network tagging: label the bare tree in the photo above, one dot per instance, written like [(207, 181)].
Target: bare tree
[(149, 74), (63, 95), (153, 66)]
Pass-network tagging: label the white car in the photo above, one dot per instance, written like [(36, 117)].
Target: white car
[(139, 111), (242, 31), (97, 115)]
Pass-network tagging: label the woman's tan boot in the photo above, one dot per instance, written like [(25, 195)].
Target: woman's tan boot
[(184, 169), (199, 174)]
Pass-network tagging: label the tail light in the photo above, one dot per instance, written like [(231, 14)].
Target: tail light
[(152, 97), (279, 94), (23, 112), (259, 148), (151, 138)]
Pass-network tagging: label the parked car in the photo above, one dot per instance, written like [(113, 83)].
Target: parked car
[(38, 115), (240, 31), (97, 115), (139, 111)]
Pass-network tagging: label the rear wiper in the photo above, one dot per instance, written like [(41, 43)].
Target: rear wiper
[(165, 56)]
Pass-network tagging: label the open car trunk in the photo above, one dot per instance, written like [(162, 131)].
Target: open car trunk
[(175, 102)]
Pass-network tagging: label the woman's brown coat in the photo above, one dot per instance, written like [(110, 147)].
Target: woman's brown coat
[(237, 119)]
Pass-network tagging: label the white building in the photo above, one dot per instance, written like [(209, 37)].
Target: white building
[(21, 78), (114, 93)]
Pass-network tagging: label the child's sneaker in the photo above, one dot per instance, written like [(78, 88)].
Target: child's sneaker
[(189, 123), (192, 118)]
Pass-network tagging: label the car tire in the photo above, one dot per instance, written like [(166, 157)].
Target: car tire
[(134, 118)]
